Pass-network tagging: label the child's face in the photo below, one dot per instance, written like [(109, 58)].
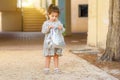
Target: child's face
[(53, 16)]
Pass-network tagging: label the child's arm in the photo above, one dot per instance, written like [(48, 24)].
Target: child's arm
[(45, 28), (60, 27)]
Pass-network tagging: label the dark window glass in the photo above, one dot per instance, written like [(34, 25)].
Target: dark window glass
[(83, 10)]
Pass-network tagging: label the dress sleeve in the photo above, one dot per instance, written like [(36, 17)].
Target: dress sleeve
[(63, 29), (45, 28)]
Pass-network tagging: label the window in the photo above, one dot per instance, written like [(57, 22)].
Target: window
[(83, 10)]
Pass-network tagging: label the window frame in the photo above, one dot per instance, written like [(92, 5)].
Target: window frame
[(80, 11)]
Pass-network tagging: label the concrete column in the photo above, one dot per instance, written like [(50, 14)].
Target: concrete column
[(65, 14), (61, 5), (92, 23), (68, 16), (54, 1)]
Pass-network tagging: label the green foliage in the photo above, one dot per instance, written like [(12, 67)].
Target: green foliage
[(64, 33)]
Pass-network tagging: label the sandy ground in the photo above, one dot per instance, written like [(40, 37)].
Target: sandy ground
[(22, 59), (112, 68)]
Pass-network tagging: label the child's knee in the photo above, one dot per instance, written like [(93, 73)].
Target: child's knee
[(56, 55)]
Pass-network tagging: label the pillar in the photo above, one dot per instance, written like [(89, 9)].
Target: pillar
[(68, 16), (65, 14)]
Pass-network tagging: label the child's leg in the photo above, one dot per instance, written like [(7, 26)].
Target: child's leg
[(56, 59), (48, 59), (47, 65), (56, 63)]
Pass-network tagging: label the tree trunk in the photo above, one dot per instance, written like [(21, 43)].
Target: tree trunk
[(112, 51)]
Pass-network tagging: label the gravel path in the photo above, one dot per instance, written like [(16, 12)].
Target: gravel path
[(27, 63)]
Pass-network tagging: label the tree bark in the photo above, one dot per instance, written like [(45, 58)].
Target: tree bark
[(112, 51)]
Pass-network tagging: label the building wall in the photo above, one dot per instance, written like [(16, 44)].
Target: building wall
[(98, 23), (9, 5), (78, 24), (11, 21), (10, 16)]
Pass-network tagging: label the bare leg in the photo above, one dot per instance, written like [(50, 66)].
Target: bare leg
[(56, 59), (48, 59), (47, 65), (56, 63)]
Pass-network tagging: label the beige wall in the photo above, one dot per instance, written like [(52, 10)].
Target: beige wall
[(78, 24), (9, 5), (10, 17), (11, 21), (98, 23)]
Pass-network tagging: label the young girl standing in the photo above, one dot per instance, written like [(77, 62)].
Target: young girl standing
[(52, 24)]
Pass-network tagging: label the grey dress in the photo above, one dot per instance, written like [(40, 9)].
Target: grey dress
[(47, 50)]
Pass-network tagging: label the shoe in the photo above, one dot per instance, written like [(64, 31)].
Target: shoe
[(58, 71), (46, 70)]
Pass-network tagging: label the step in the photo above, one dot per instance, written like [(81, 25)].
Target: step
[(33, 22), (35, 17), (31, 14)]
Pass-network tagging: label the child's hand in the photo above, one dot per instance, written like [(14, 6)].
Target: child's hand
[(50, 27), (59, 27)]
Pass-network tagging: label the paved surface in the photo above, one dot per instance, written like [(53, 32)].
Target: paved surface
[(21, 59)]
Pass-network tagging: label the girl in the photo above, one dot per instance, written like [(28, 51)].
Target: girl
[(49, 51)]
